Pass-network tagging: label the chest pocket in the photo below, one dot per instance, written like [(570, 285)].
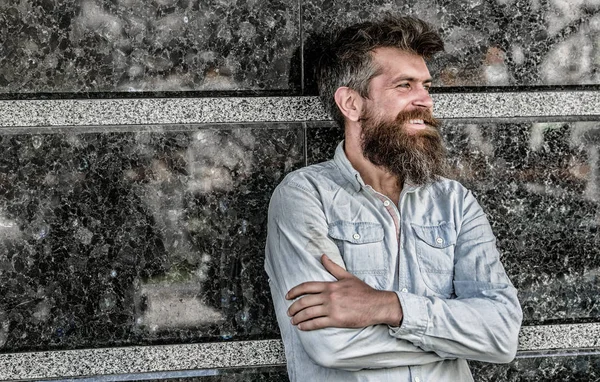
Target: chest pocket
[(361, 246), (435, 255)]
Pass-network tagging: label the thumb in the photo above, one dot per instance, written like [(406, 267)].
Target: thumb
[(331, 267)]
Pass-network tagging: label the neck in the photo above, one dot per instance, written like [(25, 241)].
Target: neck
[(376, 177)]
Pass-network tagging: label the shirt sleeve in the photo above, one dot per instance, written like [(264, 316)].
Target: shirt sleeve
[(297, 237), (483, 321)]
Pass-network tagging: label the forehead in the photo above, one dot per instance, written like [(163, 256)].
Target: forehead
[(392, 63)]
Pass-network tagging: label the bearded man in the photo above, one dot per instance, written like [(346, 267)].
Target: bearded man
[(380, 268)]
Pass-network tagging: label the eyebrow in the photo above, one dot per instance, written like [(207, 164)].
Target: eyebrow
[(410, 79)]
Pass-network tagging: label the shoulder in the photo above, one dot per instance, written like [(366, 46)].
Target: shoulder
[(314, 178), (446, 188), (303, 189), (447, 194)]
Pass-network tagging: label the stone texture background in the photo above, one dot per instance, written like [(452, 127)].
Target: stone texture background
[(139, 235), (83, 46)]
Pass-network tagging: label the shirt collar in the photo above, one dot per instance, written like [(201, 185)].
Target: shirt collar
[(352, 175), (349, 173)]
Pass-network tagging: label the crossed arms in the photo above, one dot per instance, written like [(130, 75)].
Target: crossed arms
[(344, 323)]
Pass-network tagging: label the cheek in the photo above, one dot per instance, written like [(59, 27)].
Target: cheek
[(388, 108), (393, 106)]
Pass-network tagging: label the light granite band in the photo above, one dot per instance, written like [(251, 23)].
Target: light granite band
[(153, 359), (548, 337), (157, 111)]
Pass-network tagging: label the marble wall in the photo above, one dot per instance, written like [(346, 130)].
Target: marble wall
[(120, 234), (138, 237), (87, 46)]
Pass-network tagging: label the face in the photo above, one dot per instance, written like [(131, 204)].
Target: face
[(399, 132), (402, 85)]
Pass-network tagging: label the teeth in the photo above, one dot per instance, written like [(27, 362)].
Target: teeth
[(416, 121)]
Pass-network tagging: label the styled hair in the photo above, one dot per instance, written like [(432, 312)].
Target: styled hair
[(347, 60)]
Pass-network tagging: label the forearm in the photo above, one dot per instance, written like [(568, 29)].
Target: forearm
[(353, 349), (483, 321), (483, 326), (367, 348)]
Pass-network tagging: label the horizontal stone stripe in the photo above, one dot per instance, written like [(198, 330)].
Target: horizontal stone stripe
[(157, 111), (164, 358)]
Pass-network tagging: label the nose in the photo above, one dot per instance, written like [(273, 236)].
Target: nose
[(422, 98)]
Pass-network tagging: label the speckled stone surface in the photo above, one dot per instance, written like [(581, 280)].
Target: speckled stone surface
[(158, 111), (516, 104), (134, 45), (131, 238), (24, 113), (539, 185), (140, 359), (129, 222), (131, 360), (257, 374), (582, 367), (488, 42), (572, 336), (569, 368)]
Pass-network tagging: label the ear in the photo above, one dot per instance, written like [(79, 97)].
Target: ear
[(349, 102)]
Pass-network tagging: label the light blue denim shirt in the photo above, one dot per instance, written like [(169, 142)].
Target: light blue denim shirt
[(436, 250)]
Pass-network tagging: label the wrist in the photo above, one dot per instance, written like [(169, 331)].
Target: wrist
[(392, 310)]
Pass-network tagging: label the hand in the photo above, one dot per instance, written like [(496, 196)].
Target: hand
[(346, 303)]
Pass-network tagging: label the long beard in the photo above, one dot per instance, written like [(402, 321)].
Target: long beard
[(419, 156)]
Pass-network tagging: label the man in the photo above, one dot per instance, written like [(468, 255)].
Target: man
[(381, 269)]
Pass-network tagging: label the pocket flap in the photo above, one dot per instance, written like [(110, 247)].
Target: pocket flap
[(357, 232), (439, 236)]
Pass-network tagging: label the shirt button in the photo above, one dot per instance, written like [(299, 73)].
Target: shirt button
[(404, 290), (439, 240), (356, 236), (386, 203)]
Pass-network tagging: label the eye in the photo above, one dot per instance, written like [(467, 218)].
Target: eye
[(427, 87), (405, 85)]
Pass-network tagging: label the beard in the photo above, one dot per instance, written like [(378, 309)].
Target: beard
[(418, 156)]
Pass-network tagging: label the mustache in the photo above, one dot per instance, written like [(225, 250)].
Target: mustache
[(405, 116), (423, 114)]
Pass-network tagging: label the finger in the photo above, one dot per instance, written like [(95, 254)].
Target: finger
[(305, 302), (309, 314), (331, 267), (315, 323), (306, 288)]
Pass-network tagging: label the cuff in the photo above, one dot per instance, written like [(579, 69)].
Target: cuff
[(415, 318)]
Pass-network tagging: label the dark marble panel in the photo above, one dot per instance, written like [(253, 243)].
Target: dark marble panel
[(135, 45), (322, 139), (539, 185), (573, 368), (262, 374), (543, 369), (539, 369), (488, 42), (109, 239)]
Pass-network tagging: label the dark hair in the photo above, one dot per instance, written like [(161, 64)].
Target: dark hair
[(347, 61)]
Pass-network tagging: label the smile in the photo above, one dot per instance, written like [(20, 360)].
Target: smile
[(416, 124)]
